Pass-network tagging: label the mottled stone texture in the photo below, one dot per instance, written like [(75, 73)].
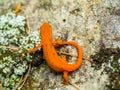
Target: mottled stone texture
[(91, 23)]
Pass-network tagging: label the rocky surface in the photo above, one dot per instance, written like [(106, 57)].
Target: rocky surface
[(91, 23)]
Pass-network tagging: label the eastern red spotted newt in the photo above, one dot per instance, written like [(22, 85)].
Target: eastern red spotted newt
[(54, 61)]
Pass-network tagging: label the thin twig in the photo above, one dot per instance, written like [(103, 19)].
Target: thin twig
[(74, 55), (28, 25), (25, 78), (67, 54), (19, 83), (1, 85), (76, 87), (9, 47)]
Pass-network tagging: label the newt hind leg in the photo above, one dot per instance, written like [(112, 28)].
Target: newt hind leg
[(66, 78), (63, 59)]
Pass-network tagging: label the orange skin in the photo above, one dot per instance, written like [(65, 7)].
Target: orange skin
[(53, 60)]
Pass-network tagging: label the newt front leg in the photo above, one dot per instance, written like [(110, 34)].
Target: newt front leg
[(35, 49)]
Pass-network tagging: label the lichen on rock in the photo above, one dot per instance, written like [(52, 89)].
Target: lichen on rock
[(14, 43)]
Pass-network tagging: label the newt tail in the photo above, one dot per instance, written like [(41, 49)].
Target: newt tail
[(53, 60)]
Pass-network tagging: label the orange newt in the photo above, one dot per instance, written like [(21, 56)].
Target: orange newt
[(55, 62)]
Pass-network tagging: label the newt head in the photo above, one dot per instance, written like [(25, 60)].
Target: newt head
[(46, 31)]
